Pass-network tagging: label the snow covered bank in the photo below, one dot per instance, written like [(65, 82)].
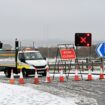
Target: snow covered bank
[(19, 95)]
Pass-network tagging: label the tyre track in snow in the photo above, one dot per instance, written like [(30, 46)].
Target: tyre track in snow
[(91, 89), (94, 89)]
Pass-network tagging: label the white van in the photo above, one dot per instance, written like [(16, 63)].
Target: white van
[(33, 58)]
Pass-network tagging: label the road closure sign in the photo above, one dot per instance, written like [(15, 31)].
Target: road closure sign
[(67, 54)]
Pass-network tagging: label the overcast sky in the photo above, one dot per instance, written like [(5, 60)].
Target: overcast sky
[(51, 19)]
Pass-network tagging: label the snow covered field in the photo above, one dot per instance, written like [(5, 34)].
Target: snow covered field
[(19, 95)]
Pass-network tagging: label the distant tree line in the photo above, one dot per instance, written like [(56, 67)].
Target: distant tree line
[(48, 52), (51, 52)]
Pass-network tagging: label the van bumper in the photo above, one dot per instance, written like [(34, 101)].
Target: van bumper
[(32, 71)]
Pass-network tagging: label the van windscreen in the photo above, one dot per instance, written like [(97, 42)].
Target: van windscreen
[(32, 56)]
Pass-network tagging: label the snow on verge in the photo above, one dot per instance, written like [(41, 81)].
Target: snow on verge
[(19, 95)]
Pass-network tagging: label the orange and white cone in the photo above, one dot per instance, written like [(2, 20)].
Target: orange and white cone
[(36, 79), (48, 79), (12, 80), (76, 77), (101, 73), (89, 74), (61, 77), (21, 79)]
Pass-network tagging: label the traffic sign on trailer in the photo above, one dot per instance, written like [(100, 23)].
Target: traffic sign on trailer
[(100, 50)]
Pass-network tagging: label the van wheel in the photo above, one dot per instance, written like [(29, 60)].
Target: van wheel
[(7, 73), (25, 74)]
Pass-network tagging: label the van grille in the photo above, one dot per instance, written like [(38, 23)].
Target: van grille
[(39, 67)]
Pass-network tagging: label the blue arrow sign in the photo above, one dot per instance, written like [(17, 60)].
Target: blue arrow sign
[(100, 50)]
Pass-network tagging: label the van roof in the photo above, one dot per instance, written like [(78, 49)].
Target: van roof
[(28, 51)]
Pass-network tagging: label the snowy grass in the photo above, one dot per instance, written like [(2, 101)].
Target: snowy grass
[(19, 95)]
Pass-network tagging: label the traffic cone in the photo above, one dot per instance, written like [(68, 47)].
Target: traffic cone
[(21, 79), (48, 79), (12, 80), (101, 73), (89, 74), (36, 79), (61, 77), (76, 77)]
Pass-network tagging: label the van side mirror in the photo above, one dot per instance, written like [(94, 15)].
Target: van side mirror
[(22, 59)]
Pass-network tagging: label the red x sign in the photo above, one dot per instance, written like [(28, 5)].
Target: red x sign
[(83, 39)]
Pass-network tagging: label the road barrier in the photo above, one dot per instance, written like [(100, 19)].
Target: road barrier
[(69, 64), (63, 74)]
